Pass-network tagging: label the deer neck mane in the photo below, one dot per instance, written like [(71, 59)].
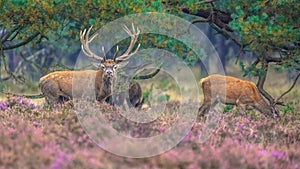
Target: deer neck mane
[(107, 83), (104, 84)]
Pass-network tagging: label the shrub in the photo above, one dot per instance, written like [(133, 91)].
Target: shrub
[(34, 137)]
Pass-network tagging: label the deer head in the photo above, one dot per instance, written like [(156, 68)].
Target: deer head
[(109, 66)]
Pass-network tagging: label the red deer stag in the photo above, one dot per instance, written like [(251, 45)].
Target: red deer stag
[(233, 91), (57, 86)]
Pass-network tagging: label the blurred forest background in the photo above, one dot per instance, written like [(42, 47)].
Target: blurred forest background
[(252, 37)]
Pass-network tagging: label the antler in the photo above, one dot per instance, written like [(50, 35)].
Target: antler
[(134, 36), (84, 39)]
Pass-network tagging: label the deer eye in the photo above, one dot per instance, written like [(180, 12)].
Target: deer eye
[(115, 67), (103, 67)]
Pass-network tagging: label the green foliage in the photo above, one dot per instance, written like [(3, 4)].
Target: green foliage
[(27, 87), (289, 108), (264, 22), (255, 21), (227, 108), (147, 94), (31, 21), (252, 70), (2, 86), (51, 18), (163, 98), (271, 29), (65, 17), (170, 44)]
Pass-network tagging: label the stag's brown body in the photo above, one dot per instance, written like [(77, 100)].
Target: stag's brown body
[(233, 91), (57, 87)]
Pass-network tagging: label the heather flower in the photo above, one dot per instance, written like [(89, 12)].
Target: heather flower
[(36, 124), (3, 106), (262, 152), (56, 140), (187, 137), (277, 154), (61, 160), (20, 102), (27, 103), (161, 129)]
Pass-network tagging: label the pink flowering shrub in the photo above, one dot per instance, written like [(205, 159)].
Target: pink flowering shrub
[(36, 137), (17, 103)]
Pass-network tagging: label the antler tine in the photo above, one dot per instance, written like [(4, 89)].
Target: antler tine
[(116, 52), (134, 36), (88, 34), (132, 25), (84, 39), (135, 51), (127, 29), (103, 52)]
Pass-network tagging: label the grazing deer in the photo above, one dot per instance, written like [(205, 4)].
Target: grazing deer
[(233, 91), (57, 87)]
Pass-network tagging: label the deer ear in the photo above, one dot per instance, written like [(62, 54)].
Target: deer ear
[(97, 65)]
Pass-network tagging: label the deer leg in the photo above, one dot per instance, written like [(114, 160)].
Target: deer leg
[(243, 107), (139, 104), (109, 100), (204, 108), (49, 101), (52, 100), (49, 89)]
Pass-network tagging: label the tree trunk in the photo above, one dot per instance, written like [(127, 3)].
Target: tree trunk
[(261, 81), (222, 50)]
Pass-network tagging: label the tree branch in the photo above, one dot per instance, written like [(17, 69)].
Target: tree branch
[(239, 54), (148, 76), (286, 92), (15, 35), (5, 79), (5, 37), (19, 79), (227, 35), (2, 33), (21, 43), (218, 17), (273, 59), (30, 58)]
